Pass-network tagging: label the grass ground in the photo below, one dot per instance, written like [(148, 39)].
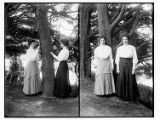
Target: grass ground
[(19, 105), (92, 105)]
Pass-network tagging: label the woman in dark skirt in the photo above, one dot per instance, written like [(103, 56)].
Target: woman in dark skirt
[(126, 60), (62, 85)]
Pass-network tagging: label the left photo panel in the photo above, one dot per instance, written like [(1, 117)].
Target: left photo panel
[(41, 60)]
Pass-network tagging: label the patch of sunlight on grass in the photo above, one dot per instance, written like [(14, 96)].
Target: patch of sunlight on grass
[(7, 64), (144, 80)]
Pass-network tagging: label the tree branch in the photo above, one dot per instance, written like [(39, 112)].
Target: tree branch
[(140, 59), (131, 11), (129, 21), (119, 16), (138, 47), (115, 15), (115, 47), (135, 22), (144, 14), (63, 15), (134, 26), (123, 25), (71, 11)]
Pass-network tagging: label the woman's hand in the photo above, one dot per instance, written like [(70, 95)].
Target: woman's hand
[(118, 71), (38, 48), (133, 71), (112, 67), (54, 56), (51, 53), (54, 47)]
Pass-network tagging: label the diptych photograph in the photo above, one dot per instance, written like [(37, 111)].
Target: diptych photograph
[(78, 60)]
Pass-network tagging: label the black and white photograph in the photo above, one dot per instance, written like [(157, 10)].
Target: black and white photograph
[(116, 59), (79, 59), (41, 60)]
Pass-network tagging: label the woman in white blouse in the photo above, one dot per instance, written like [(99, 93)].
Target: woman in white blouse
[(104, 82), (126, 60), (32, 82), (62, 85)]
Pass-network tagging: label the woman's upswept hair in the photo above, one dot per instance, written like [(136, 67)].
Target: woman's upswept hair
[(124, 35), (64, 42), (100, 38), (30, 42), (36, 44)]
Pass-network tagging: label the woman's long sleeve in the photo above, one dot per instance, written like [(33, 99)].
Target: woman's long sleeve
[(63, 55), (135, 59), (32, 54), (117, 59), (95, 58), (111, 59), (37, 55)]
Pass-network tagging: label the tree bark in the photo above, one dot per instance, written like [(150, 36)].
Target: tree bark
[(6, 19), (103, 22), (85, 61), (46, 46), (105, 27)]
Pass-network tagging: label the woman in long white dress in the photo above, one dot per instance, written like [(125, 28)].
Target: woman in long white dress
[(32, 82), (104, 82)]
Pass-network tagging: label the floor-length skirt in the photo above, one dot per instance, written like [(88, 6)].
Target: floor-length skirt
[(32, 82), (104, 82), (126, 86), (62, 84)]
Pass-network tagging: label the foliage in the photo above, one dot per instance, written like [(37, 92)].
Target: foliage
[(19, 28), (21, 25), (111, 20), (15, 74), (145, 68), (133, 18)]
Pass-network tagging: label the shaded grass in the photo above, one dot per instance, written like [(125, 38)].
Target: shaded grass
[(107, 106), (19, 105)]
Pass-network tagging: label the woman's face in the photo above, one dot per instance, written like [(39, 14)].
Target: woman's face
[(61, 44), (102, 41), (125, 40), (36, 44), (32, 45)]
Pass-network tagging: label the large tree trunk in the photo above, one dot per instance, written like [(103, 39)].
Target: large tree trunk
[(85, 13), (46, 46), (105, 27), (6, 19), (103, 22)]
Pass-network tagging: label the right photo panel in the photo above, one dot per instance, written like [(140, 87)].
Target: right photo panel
[(116, 59)]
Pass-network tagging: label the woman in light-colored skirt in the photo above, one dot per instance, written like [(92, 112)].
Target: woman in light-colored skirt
[(104, 82), (32, 82)]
